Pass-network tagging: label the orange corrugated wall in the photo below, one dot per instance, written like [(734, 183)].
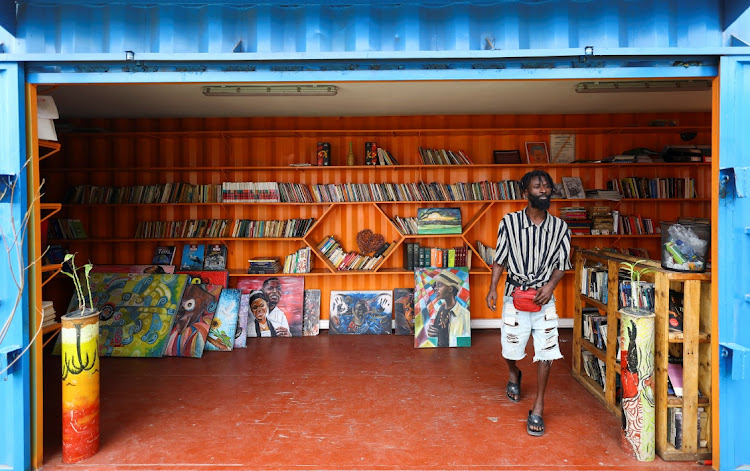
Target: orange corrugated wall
[(124, 152)]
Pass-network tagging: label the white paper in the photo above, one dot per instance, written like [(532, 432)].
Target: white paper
[(562, 148), (45, 107), (46, 129)]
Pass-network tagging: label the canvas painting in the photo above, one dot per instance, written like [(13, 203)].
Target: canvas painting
[(240, 335), (360, 312), (281, 303), (193, 321), (112, 291), (204, 277), (311, 313), (134, 332), (403, 310), (441, 302), (147, 269), (573, 188), (192, 257), (439, 221), (224, 323)]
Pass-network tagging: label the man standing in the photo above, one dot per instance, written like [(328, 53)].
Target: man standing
[(452, 319), (272, 290), (534, 246)]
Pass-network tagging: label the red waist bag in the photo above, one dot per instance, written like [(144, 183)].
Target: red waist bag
[(523, 300)]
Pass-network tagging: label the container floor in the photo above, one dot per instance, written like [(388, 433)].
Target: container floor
[(341, 402)]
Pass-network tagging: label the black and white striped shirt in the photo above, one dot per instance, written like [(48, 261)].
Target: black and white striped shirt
[(529, 252)]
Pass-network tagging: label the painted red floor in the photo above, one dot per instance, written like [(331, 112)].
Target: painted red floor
[(341, 402)]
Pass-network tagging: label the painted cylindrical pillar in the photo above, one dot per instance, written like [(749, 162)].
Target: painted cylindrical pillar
[(637, 371), (80, 385)]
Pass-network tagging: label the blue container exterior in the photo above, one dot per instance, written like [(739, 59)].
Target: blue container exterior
[(86, 41)]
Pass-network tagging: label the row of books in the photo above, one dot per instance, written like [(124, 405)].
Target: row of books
[(181, 229), (443, 157), (298, 262), (486, 252), (405, 225), (48, 314), (674, 427), (373, 192), (343, 260), (642, 187), (66, 229), (177, 192), (379, 156), (594, 368), (640, 295), (416, 256), (594, 282), (274, 228), (594, 327)]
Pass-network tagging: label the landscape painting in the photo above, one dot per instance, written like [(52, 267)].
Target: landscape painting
[(439, 221)]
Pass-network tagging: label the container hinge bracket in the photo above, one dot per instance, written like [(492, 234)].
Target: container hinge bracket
[(7, 355), (738, 358)]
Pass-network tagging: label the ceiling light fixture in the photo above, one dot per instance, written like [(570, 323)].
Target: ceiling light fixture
[(644, 86), (270, 90)]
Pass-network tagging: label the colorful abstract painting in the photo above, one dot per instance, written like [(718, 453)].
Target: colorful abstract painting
[(148, 269), (112, 291), (206, 277), (240, 335), (134, 332), (441, 303), (285, 296), (439, 221), (360, 312), (403, 310), (224, 323), (193, 321), (311, 313)]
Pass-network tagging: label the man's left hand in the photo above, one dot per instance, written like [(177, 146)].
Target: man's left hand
[(543, 294)]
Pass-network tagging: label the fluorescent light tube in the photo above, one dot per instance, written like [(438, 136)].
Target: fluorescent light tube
[(270, 90), (644, 86)]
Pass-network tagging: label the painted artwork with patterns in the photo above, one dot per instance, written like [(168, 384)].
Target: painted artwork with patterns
[(193, 321), (284, 296), (441, 303), (360, 312), (224, 323)]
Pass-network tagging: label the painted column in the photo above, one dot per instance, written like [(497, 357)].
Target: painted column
[(637, 371), (80, 385)]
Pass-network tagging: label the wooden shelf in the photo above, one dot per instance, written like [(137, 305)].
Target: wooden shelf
[(52, 207), (694, 342), (594, 302), (103, 240), (52, 148), (371, 168), (400, 132)]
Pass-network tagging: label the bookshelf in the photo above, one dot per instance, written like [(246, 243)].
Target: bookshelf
[(212, 151), (692, 345)]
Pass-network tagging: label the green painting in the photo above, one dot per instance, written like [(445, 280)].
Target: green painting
[(439, 221)]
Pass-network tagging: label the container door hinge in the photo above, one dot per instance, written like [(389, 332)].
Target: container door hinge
[(7, 355), (738, 358)]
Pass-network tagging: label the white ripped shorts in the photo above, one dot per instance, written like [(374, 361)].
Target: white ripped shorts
[(541, 325)]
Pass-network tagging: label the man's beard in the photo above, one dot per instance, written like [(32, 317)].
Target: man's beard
[(537, 202)]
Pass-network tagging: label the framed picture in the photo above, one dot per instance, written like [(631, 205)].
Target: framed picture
[(573, 188), (506, 157), (536, 153)]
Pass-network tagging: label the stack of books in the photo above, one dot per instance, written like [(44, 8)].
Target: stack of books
[(48, 314), (602, 221), (486, 252), (264, 265), (343, 260), (577, 220)]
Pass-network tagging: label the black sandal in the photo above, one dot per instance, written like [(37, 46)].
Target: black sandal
[(514, 389), (535, 421)]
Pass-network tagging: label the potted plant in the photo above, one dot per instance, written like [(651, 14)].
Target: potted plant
[(83, 309)]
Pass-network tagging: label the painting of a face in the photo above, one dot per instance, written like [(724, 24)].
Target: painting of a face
[(259, 308), (272, 289)]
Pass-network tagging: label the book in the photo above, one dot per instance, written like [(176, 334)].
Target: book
[(216, 257), (674, 372), (164, 255), (192, 257), (675, 310)]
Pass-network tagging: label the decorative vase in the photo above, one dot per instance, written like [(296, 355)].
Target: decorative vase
[(636, 374), (350, 156), (80, 384)]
